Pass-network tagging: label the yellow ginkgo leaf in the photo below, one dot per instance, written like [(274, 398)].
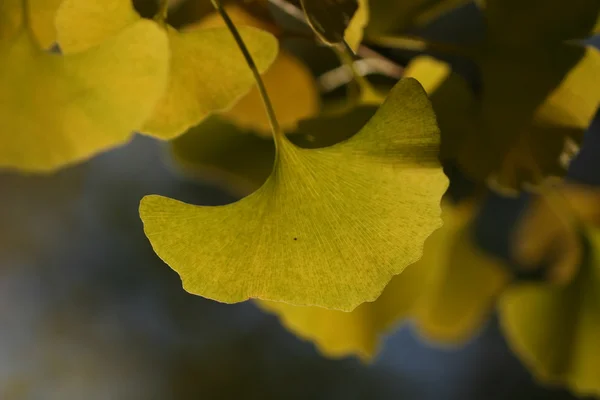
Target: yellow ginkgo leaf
[(336, 21), (207, 70), (514, 142), (289, 83), (225, 154), (59, 110), (330, 226), (524, 139), (41, 15), (293, 91), (449, 291), (359, 332), (40, 19), (462, 283), (554, 329)]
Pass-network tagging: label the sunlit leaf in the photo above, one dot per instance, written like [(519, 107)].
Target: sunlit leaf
[(449, 291), (337, 20), (389, 17), (59, 110), (330, 227), (207, 70), (554, 329), (290, 84)]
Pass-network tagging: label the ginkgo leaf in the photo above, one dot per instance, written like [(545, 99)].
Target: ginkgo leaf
[(289, 83), (548, 235), (359, 332), (532, 23), (41, 16), (388, 17), (207, 70), (514, 143), (516, 147), (329, 227), (220, 152), (462, 285), (59, 110), (293, 91), (336, 21), (554, 329), (449, 291)]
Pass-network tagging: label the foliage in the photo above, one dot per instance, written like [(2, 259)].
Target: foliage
[(342, 176)]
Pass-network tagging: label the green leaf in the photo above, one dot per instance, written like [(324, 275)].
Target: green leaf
[(337, 20), (450, 292), (330, 227), (554, 329), (207, 70), (59, 110), (530, 23)]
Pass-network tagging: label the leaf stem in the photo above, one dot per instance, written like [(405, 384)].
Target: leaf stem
[(163, 12), (275, 127)]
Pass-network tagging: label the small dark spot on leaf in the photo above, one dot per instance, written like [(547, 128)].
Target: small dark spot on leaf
[(295, 238)]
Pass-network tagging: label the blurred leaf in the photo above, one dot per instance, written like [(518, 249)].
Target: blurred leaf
[(219, 151), (337, 20), (554, 329), (453, 100), (60, 110), (462, 284), (42, 14), (548, 234), (531, 23), (330, 227), (290, 84), (389, 17), (208, 72), (513, 142), (449, 291)]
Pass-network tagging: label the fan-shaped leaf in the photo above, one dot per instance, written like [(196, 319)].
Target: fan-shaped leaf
[(554, 329), (291, 86), (59, 110), (449, 291), (208, 72), (330, 227)]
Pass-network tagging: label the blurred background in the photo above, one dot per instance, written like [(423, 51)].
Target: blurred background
[(88, 311)]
